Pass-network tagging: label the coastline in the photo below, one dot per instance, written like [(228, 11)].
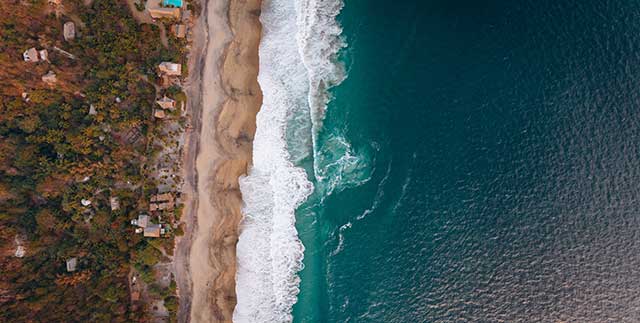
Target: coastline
[(224, 98)]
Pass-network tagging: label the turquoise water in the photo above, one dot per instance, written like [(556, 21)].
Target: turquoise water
[(175, 3), (480, 163)]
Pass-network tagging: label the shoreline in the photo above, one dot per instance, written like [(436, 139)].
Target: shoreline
[(224, 98)]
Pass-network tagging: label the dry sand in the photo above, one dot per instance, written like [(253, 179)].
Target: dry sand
[(224, 99)]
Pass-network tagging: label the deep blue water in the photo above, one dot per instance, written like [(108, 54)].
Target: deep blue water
[(494, 172)]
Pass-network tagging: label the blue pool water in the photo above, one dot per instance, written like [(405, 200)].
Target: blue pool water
[(175, 3)]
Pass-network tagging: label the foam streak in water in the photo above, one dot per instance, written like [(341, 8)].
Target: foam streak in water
[(294, 76)]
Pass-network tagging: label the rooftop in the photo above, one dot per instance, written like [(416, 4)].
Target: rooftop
[(159, 114), (179, 30), (49, 78), (166, 103), (142, 221), (157, 13), (152, 231), (160, 202), (30, 55), (170, 68), (69, 30), (71, 264), (115, 203)]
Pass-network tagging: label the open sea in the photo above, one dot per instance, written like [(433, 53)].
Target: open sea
[(445, 161)]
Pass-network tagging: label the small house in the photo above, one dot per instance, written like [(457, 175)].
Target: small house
[(69, 30), (20, 251), (31, 55), (171, 69), (159, 13), (92, 110), (114, 202), (142, 221), (166, 103), (71, 264), (179, 30), (44, 55), (152, 231), (159, 114), (50, 78), (161, 202)]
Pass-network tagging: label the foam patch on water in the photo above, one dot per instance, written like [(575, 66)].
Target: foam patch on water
[(295, 73), (339, 166)]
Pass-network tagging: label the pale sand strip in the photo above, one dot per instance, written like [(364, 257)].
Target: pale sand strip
[(229, 33)]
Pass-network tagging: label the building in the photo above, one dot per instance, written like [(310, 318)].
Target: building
[(159, 114), (44, 55), (92, 110), (142, 221), (161, 202), (50, 78), (179, 30), (69, 30), (153, 231), (169, 68), (114, 202), (158, 13), (166, 103), (71, 264), (31, 55), (20, 251)]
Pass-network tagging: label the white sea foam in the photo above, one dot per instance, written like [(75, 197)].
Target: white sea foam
[(338, 166), (298, 51), (319, 43), (341, 231)]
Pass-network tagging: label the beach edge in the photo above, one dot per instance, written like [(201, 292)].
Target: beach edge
[(224, 100)]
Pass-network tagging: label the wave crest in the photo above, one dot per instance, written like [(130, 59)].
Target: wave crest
[(295, 75)]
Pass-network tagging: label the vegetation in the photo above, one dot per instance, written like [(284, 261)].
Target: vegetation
[(54, 154)]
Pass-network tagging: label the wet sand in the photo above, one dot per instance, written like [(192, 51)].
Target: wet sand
[(224, 100)]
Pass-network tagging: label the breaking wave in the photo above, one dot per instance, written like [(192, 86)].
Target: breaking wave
[(298, 64)]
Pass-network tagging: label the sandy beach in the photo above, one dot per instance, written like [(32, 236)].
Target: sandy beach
[(224, 98)]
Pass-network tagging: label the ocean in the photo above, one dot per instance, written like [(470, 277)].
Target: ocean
[(444, 161)]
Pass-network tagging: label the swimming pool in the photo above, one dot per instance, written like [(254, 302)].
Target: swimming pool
[(175, 3)]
